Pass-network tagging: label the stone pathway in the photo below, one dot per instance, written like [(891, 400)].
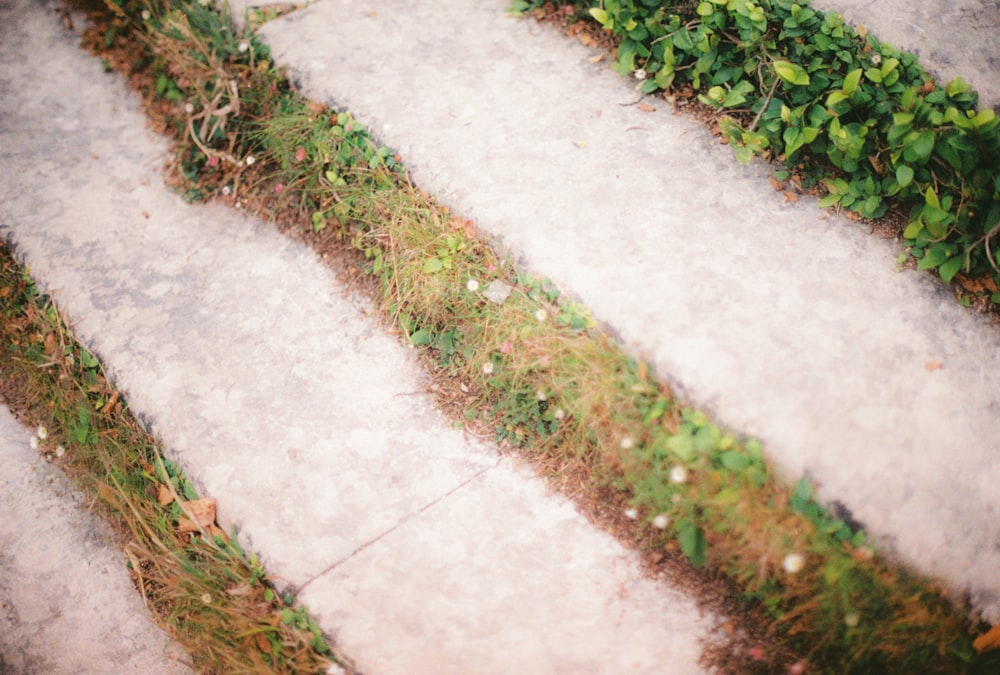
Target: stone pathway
[(421, 549)]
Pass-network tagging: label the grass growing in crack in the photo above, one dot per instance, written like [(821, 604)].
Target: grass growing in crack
[(535, 369), (200, 585)]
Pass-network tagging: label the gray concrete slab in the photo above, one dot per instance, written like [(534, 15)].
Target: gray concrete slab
[(550, 615), (782, 320), (67, 605), (286, 401)]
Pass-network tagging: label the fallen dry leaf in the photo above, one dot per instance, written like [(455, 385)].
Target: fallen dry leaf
[(645, 107), (203, 511), (790, 197), (165, 495), (262, 643), (580, 144), (932, 365), (988, 641), (596, 57), (977, 285), (776, 184)]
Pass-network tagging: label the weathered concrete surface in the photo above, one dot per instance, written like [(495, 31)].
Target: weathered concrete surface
[(67, 605), (283, 399), (953, 38), (783, 321)]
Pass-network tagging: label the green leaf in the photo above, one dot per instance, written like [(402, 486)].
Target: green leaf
[(983, 117), (734, 461), (692, 542), (681, 445), (913, 230), (791, 73), (432, 265), (931, 198), (936, 255), (904, 175), (705, 9), (919, 148), (420, 337), (950, 267), (851, 81), (601, 16), (957, 86)]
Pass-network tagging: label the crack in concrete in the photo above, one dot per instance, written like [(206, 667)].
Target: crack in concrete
[(295, 591)]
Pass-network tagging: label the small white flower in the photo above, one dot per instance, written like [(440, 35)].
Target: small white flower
[(631, 514), (146, 15), (207, 598), (250, 160), (60, 451), (851, 620), (876, 58), (34, 442), (661, 521), (472, 285), (627, 443), (244, 45), (679, 474), (189, 107), (793, 563), (541, 315), (541, 396), (559, 413), (226, 190), (42, 432), (639, 74), (488, 367)]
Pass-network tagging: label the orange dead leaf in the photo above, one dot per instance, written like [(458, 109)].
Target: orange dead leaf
[(164, 496), (263, 644), (596, 57), (777, 184), (932, 365), (977, 285), (988, 641), (203, 511), (790, 197), (645, 107)]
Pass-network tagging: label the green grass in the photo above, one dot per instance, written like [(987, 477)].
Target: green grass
[(534, 368)]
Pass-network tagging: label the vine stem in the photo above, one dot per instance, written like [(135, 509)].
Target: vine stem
[(767, 101)]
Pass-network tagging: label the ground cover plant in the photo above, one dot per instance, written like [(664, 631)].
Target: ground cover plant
[(835, 105), (529, 364), (204, 589)]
